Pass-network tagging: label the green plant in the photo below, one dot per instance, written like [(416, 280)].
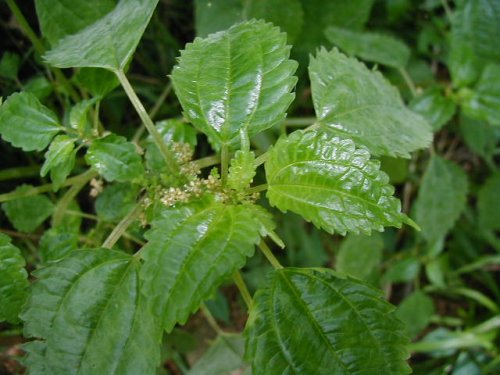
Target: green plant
[(183, 226)]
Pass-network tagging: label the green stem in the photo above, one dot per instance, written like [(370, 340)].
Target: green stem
[(19, 172), (257, 189), (46, 188), (261, 159), (167, 154), (409, 82), (224, 163), (207, 161), (242, 287), (122, 226), (447, 10), (96, 118), (269, 255), (211, 320)]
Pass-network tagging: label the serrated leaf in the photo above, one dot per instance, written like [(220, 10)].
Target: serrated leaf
[(191, 250), (107, 43), (473, 33), (57, 242), (370, 46), (27, 213), (488, 203), (241, 170), (240, 78), (27, 123), (115, 158), (39, 86), (441, 198), (116, 201), (78, 116), (89, 317), (415, 311), (13, 281), (59, 160), (352, 101), (330, 182), (484, 103), (346, 327), (436, 108)]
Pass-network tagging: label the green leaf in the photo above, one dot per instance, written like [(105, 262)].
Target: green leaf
[(479, 136), (406, 269), (57, 242), (346, 327), (436, 108), (370, 46), (242, 170), (78, 116), (216, 15), (27, 213), (240, 78), (116, 201), (358, 103), (330, 182), (441, 198), (474, 31), (488, 203), (59, 160), (98, 82), (9, 65), (27, 123), (13, 280), (107, 43), (39, 86), (89, 317), (115, 158), (415, 311), (484, 103), (224, 356), (191, 250), (359, 255)]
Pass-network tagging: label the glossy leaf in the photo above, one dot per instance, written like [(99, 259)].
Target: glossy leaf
[(474, 31), (359, 255), (59, 160), (436, 108), (27, 213), (191, 250), (441, 198), (415, 311), (107, 43), (346, 327), (240, 78), (241, 170), (89, 317), (27, 123), (115, 158), (352, 101), (330, 182), (78, 116), (488, 203), (60, 18), (13, 280), (369, 46)]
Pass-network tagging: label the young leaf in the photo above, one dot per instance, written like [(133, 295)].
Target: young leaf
[(330, 182), (107, 43), (59, 160), (27, 213), (436, 108), (369, 46), (78, 116), (346, 327), (242, 170), (115, 158), (358, 103), (488, 203), (13, 280), (441, 198), (27, 123), (240, 78), (191, 250), (89, 317)]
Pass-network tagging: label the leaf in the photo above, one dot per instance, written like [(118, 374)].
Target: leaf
[(488, 202), (116, 201), (191, 250), (330, 182), (13, 281), (474, 30), (240, 78), (436, 108), (98, 82), (224, 356), (78, 116), (107, 43), (27, 213), (57, 242), (216, 15), (241, 170), (370, 46), (484, 103), (415, 311), (480, 137), (115, 158), (39, 86), (89, 317), (59, 160), (359, 255), (352, 101), (346, 327), (441, 198), (9, 65), (26, 123), (406, 269)]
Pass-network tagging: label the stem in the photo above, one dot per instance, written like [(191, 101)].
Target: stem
[(207, 161), (447, 10), (261, 159), (88, 175), (167, 154), (242, 287), (211, 320), (257, 189), (122, 226), (19, 172), (224, 156), (409, 82), (96, 118), (269, 255)]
